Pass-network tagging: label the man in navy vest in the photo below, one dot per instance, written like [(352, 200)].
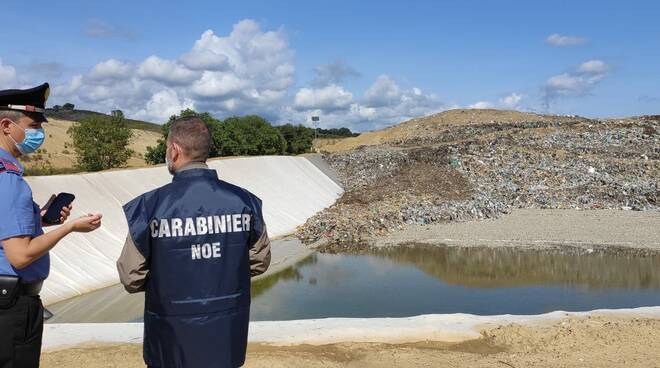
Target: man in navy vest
[(193, 246)]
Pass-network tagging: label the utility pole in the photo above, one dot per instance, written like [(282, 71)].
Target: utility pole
[(315, 122)]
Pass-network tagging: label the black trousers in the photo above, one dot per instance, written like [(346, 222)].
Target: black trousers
[(21, 329)]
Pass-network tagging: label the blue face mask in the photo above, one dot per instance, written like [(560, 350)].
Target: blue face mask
[(34, 138)]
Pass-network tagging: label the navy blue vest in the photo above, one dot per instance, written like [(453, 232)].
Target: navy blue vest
[(195, 234)]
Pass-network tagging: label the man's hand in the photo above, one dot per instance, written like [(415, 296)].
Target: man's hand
[(64, 213), (86, 223), (21, 251)]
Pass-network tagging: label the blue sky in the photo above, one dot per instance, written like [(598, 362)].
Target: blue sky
[(364, 64)]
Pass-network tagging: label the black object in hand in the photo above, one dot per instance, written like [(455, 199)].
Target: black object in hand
[(53, 215)]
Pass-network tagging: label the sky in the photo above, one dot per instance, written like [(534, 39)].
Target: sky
[(363, 65)]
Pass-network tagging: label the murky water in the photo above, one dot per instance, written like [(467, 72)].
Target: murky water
[(402, 281)]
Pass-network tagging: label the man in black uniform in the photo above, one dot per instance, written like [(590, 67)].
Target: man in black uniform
[(193, 246)]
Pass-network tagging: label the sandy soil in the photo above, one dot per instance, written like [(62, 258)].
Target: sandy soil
[(541, 229), (58, 147), (594, 341)]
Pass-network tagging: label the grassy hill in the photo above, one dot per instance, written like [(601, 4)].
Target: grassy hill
[(77, 115), (57, 154)]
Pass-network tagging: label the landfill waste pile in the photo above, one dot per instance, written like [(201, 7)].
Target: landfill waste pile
[(481, 168)]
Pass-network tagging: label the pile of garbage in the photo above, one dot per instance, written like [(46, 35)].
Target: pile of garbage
[(480, 171)]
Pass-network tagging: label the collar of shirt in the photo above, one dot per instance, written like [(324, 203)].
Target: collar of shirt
[(8, 156), (193, 165), (194, 170)]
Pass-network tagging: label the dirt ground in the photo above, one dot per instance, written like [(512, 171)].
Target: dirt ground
[(542, 229), (58, 151), (594, 341)]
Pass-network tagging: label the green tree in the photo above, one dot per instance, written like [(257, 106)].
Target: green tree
[(335, 133), (101, 142), (156, 154), (298, 138), (235, 136), (248, 135), (117, 114)]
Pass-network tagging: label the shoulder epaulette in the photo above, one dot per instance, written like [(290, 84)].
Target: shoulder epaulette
[(10, 167)]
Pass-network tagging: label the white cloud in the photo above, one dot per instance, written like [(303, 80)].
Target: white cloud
[(166, 71), (248, 71), (511, 101), (219, 84), (559, 40), (249, 67), (71, 87), (164, 104), (7, 76), (385, 103), (328, 98), (593, 67), (565, 83), (109, 70), (578, 82), (207, 53), (481, 105), (384, 91)]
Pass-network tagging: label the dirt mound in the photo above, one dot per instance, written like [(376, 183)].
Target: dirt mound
[(433, 125), (58, 153)]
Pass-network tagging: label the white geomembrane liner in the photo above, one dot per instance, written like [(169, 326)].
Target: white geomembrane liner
[(292, 190), (432, 327)]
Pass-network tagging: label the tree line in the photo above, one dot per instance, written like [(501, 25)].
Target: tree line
[(101, 142)]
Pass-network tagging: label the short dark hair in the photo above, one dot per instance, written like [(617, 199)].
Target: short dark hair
[(193, 136)]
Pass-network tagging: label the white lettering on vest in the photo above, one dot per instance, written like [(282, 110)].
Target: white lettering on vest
[(201, 226), (246, 222), (209, 223), (164, 229), (206, 250), (177, 227), (154, 228), (237, 222), (219, 224), (190, 227), (196, 251)]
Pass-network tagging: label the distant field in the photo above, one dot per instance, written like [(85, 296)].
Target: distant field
[(321, 143), (58, 153), (77, 115)]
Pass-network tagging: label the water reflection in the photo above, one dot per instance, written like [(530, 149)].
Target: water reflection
[(261, 286), (509, 267), (405, 281)]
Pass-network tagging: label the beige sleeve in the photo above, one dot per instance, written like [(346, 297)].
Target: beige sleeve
[(260, 254), (132, 267)]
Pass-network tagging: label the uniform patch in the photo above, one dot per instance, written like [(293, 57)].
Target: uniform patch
[(8, 166)]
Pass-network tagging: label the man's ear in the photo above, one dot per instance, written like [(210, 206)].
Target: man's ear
[(174, 152), (4, 125)]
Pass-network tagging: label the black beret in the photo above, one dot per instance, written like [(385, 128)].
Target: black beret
[(28, 100)]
